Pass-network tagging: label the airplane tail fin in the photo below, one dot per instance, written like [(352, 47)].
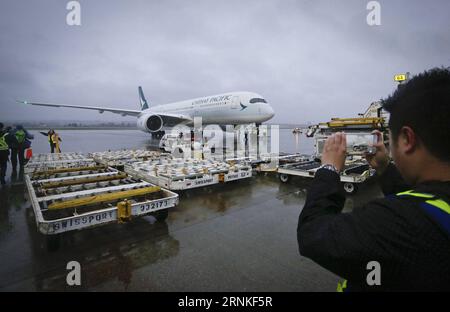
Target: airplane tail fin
[(142, 100)]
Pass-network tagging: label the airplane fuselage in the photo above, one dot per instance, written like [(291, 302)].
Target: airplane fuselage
[(223, 109)]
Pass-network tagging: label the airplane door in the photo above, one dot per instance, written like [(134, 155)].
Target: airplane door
[(235, 102)]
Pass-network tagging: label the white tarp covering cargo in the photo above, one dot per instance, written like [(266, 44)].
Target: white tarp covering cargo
[(41, 162), (123, 157), (182, 173)]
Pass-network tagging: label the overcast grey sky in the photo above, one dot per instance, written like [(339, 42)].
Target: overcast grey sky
[(312, 60)]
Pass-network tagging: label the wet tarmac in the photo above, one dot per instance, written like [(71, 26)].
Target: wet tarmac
[(239, 236)]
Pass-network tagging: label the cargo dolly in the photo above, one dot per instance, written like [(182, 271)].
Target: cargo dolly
[(75, 198), (354, 172), (270, 163)]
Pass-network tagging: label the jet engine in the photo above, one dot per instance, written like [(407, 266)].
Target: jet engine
[(150, 123)]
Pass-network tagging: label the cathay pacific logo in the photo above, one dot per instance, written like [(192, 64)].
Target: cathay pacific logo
[(243, 106)]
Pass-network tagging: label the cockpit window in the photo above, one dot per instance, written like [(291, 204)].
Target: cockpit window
[(257, 100)]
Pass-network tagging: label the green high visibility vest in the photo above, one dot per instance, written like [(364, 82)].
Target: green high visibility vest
[(20, 136), (3, 145)]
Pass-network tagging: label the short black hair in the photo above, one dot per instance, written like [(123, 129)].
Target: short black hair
[(423, 104)]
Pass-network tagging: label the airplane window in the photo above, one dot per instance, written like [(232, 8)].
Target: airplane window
[(257, 100)]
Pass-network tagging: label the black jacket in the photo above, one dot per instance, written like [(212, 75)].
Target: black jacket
[(412, 248)]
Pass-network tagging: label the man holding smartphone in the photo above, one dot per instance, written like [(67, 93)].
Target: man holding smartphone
[(408, 231)]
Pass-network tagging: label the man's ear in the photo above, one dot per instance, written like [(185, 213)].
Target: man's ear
[(407, 140)]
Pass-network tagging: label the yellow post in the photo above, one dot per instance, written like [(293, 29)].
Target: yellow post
[(124, 211), (101, 198), (75, 181), (64, 170)]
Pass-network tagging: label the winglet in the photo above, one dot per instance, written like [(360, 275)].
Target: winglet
[(22, 102), (142, 100)]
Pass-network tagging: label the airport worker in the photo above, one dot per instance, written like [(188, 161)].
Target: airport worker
[(50, 141), (400, 242), (18, 140), (55, 139), (4, 154)]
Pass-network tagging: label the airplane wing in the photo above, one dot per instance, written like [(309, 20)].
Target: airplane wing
[(123, 112)]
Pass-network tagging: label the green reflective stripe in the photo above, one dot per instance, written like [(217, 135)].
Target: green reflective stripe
[(3, 145), (439, 203), (412, 193), (341, 287)]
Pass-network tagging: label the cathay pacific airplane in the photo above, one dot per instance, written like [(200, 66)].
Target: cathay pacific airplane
[(223, 109)]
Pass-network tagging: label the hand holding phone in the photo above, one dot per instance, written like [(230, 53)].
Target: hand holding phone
[(379, 160)]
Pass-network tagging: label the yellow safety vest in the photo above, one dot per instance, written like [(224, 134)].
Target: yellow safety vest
[(437, 208), (3, 145), (55, 140)]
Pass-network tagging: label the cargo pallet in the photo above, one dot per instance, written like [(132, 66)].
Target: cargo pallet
[(183, 174), (41, 162), (75, 198), (121, 158)]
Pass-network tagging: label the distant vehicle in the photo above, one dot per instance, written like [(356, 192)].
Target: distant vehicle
[(232, 108)]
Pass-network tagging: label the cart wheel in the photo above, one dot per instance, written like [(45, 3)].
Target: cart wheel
[(284, 178), (350, 188), (161, 215)]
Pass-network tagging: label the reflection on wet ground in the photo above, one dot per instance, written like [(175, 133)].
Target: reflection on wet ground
[(239, 236)]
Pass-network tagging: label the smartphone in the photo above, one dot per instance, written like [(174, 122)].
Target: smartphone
[(360, 143)]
